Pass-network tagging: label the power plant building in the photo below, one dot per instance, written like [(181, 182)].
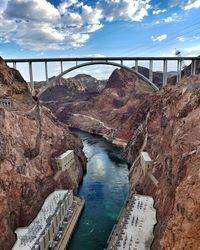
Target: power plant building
[(66, 160), (40, 234)]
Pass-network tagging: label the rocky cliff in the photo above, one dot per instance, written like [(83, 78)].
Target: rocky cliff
[(109, 113), (170, 134), (30, 139)]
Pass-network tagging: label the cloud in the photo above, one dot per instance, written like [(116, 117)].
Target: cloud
[(185, 4), (156, 12), (64, 5), (128, 10), (159, 38), (39, 25), (3, 4), (32, 10), (192, 4), (181, 39), (172, 19)]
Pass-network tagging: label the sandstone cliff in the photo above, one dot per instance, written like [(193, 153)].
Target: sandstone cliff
[(30, 139), (170, 133)]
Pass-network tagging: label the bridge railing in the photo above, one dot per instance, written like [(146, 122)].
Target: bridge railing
[(136, 60)]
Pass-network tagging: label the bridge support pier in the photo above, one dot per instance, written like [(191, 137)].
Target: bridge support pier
[(151, 70), (164, 72), (46, 72), (31, 78), (136, 65), (178, 70), (31, 74), (61, 66), (193, 67), (14, 65)]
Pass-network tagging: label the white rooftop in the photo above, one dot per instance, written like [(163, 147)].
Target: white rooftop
[(145, 156), (138, 230), (28, 236), (65, 154)]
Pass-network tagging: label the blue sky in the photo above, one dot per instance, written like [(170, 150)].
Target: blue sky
[(62, 28)]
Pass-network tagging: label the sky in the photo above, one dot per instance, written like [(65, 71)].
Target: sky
[(73, 28)]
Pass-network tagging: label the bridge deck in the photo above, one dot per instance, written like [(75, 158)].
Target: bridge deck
[(72, 59)]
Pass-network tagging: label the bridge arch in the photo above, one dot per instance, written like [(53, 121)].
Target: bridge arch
[(142, 77)]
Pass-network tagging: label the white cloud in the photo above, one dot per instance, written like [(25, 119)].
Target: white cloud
[(192, 4), (3, 4), (159, 38), (35, 10), (157, 22), (124, 10), (173, 18), (185, 4), (181, 39), (64, 5), (156, 12), (39, 25)]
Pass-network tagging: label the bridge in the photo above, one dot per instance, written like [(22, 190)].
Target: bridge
[(114, 61)]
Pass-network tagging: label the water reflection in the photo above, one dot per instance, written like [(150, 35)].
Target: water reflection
[(104, 189)]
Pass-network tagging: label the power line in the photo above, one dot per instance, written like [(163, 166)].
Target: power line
[(170, 40), (174, 34)]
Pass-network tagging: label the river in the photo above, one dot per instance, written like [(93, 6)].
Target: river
[(104, 188)]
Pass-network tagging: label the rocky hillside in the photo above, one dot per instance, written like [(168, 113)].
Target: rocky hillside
[(170, 133), (81, 87), (110, 112), (30, 139)]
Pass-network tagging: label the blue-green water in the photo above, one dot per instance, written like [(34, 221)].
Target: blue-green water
[(104, 189)]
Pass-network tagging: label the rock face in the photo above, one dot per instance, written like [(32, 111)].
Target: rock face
[(30, 139), (81, 86), (110, 113), (170, 134)]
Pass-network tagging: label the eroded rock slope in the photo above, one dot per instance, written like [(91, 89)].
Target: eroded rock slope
[(30, 139), (170, 133)]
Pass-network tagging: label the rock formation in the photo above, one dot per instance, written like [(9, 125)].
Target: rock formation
[(170, 134), (30, 139), (110, 112)]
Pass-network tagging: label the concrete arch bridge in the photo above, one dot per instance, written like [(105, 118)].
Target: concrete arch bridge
[(113, 61)]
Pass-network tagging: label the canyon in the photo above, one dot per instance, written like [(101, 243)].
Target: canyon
[(127, 112), (166, 125)]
